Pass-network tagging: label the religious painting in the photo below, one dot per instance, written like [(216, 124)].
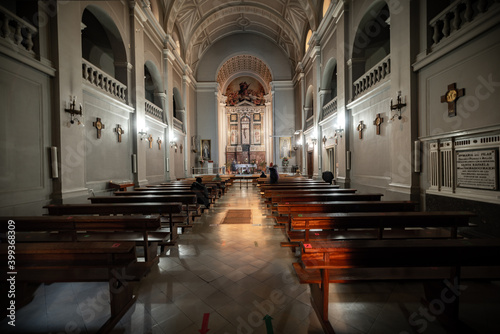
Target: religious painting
[(233, 118), (256, 117), (233, 140), (256, 134), (206, 149), (285, 147), (245, 89), (245, 131)]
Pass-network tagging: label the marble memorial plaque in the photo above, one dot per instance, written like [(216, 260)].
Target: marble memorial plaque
[(477, 169)]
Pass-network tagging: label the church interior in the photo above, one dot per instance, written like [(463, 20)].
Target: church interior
[(393, 98)]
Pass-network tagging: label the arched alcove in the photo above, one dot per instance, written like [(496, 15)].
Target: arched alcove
[(329, 80), (102, 43), (177, 106), (309, 107), (152, 83), (371, 43)]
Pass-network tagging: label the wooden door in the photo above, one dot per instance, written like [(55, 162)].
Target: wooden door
[(310, 164)]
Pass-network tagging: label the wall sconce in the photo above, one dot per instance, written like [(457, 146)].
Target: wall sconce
[(324, 140), (173, 144), (339, 132), (143, 133), (297, 145), (314, 140), (73, 111), (398, 106)]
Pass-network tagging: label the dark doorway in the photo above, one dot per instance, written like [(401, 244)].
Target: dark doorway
[(310, 164)]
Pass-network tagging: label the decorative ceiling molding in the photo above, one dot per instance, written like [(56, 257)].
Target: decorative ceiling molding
[(244, 64), (202, 22)]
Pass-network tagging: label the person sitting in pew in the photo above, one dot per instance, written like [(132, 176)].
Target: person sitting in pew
[(274, 176), (218, 178), (201, 192), (327, 177)]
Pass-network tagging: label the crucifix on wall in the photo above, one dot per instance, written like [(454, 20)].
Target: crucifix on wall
[(99, 126), (451, 97), (150, 140), (360, 128), (377, 123), (119, 131)]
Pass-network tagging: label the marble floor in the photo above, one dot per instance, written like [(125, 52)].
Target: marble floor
[(233, 275)]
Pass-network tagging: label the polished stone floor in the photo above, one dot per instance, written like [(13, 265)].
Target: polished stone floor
[(233, 275)]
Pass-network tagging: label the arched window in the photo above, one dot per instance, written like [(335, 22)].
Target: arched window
[(308, 37), (326, 5)]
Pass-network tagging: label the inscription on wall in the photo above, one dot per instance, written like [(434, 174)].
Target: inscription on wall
[(477, 169)]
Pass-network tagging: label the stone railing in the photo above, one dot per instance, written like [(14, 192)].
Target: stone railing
[(372, 77), (456, 16), (102, 80), (309, 122), (329, 108), (154, 111), (17, 31), (178, 124)]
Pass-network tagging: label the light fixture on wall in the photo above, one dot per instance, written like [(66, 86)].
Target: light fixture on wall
[(297, 145), (324, 140), (339, 132), (73, 111), (398, 106), (314, 136), (173, 143), (143, 133)]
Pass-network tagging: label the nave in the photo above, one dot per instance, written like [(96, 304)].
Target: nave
[(237, 273)]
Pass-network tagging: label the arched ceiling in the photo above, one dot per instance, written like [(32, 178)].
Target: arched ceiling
[(242, 64), (200, 23)]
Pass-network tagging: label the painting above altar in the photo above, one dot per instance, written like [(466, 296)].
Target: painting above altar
[(247, 89)]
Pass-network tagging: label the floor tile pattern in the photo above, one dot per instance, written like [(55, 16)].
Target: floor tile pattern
[(238, 273)]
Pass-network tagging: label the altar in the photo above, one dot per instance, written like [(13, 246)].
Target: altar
[(245, 168)]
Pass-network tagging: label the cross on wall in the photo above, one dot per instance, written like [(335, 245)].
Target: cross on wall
[(150, 140), (119, 131), (361, 126), (451, 97), (377, 122), (99, 126)]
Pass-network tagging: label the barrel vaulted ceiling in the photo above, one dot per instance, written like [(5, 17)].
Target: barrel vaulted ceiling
[(200, 23)]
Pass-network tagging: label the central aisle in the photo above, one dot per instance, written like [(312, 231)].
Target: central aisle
[(237, 273)]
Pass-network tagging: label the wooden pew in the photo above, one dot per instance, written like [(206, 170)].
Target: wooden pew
[(270, 193), (212, 189), (351, 260), (195, 208), (189, 202), (167, 210), (398, 222), (285, 210), (70, 262), (290, 198), (299, 184), (143, 230)]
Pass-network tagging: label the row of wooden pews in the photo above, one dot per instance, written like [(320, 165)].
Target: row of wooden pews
[(115, 239), (345, 237)]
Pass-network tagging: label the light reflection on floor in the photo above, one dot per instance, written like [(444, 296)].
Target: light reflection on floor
[(238, 274)]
